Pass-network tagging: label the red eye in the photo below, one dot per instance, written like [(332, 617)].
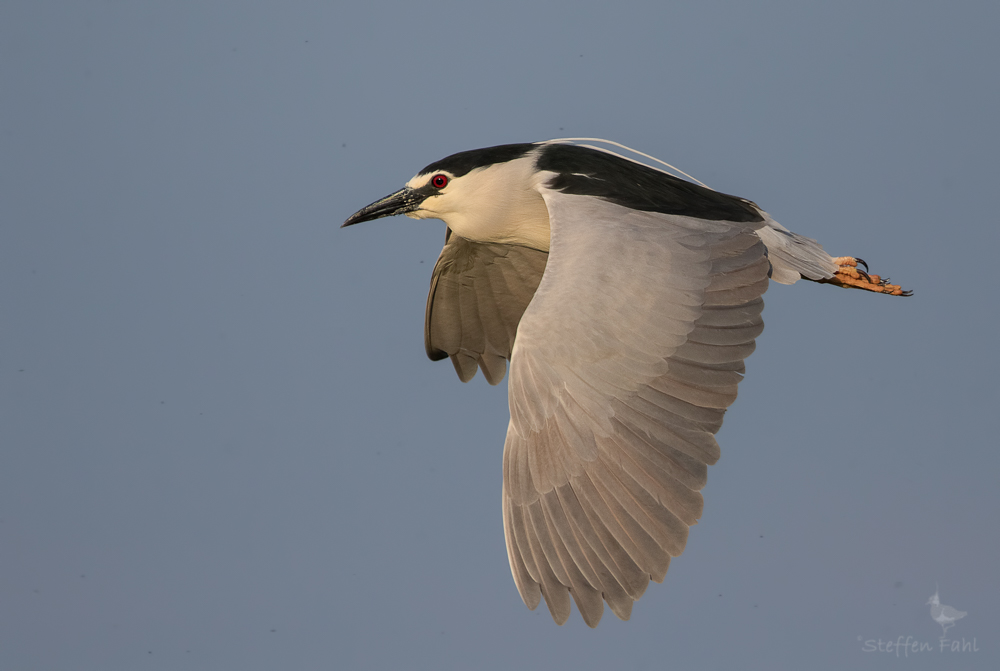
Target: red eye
[(439, 181)]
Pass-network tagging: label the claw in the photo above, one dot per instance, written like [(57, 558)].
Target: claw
[(849, 275)]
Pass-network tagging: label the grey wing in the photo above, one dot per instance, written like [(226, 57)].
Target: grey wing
[(623, 367), (478, 293)]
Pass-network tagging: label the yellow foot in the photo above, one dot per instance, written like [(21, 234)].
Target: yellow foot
[(848, 275)]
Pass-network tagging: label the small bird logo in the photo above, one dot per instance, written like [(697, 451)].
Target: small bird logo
[(946, 616)]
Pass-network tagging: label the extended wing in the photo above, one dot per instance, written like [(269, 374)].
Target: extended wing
[(624, 364), (478, 293)]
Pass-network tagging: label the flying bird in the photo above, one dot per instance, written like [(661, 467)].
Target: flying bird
[(625, 299)]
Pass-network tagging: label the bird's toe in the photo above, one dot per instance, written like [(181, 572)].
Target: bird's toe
[(848, 275)]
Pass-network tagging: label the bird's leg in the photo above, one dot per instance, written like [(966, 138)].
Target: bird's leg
[(848, 275)]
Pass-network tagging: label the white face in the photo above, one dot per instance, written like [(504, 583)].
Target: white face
[(498, 203), (429, 208)]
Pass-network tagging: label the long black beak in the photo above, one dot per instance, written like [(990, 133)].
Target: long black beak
[(403, 201)]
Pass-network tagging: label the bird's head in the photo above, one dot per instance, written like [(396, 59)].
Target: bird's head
[(485, 195)]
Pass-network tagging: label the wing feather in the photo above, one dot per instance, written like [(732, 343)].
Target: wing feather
[(619, 576), (621, 370), (527, 587), (478, 293)]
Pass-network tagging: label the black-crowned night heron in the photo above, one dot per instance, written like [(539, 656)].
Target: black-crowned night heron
[(626, 300)]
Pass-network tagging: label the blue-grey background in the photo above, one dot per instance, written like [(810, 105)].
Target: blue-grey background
[(222, 445)]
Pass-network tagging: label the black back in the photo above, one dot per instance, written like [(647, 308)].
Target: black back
[(589, 172)]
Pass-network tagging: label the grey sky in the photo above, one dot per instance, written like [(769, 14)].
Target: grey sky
[(222, 445)]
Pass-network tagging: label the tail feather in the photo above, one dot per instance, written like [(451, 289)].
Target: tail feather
[(794, 256)]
